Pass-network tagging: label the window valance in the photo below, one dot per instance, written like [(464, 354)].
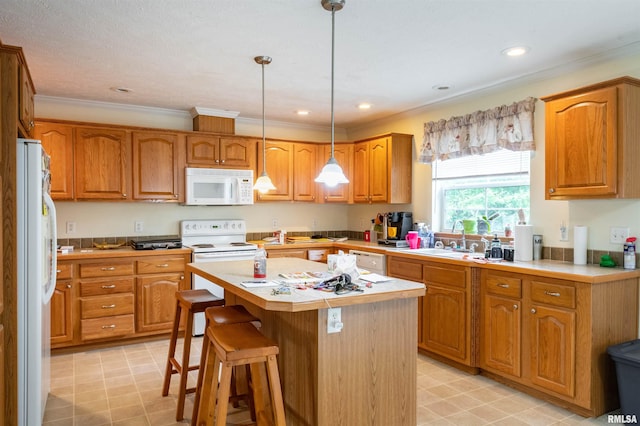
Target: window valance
[(506, 126)]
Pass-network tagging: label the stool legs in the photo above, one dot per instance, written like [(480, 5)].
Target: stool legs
[(172, 351), (184, 371)]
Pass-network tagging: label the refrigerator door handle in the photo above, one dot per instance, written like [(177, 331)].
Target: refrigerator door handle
[(53, 255)]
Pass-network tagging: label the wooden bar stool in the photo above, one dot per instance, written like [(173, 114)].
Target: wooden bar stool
[(233, 345), (192, 302), (221, 315)]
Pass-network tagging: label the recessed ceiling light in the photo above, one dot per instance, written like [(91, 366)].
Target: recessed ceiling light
[(121, 89), (302, 112), (515, 51), (442, 87), (364, 105)]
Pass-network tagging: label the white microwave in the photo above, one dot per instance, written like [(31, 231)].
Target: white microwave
[(218, 187)]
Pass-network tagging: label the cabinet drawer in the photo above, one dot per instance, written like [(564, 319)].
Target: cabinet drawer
[(159, 265), (553, 294), (445, 275), (404, 268), (106, 269), (64, 271), (300, 253), (102, 287), (102, 328), (504, 286), (106, 306), (318, 255)]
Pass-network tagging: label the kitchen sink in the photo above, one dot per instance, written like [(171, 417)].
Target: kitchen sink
[(453, 254)]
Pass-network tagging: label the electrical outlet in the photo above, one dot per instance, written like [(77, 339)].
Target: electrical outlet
[(618, 234), (334, 320), (274, 223), (71, 227), (138, 226), (564, 232)]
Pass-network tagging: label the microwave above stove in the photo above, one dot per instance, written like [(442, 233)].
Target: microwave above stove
[(218, 187)]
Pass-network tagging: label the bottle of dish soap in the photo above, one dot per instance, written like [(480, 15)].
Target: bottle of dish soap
[(630, 253)]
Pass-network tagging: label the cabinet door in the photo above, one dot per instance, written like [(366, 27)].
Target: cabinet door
[(156, 166), (57, 141), (62, 313), (343, 153), (26, 111), (581, 152), (553, 348), (280, 170), (444, 316), (305, 170), (202, 150), (378, 170), (361, 172), (156, 301), (237, 152), (103, 164), (501, 335)]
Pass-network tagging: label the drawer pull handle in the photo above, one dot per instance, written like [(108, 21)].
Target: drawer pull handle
[(552, 293), (503, 285), (109, 268), (108, 306), (109, 286), (108, 326), (162, 265)]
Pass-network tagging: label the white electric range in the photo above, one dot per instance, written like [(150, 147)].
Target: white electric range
[(214, 240)]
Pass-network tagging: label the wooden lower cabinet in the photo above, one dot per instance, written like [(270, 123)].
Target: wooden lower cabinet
[(550, 336), (104, 298), (315, 254)]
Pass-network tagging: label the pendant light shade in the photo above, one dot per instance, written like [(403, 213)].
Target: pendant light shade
[(332, 174), (263, 183)]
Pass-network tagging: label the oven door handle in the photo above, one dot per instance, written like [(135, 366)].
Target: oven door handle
[(224, 255)]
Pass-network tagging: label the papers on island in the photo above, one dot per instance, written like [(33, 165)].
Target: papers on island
[(304, 277), (259, 283), (375, 278)]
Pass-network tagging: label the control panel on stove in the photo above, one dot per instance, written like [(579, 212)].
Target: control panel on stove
[(212, 227)]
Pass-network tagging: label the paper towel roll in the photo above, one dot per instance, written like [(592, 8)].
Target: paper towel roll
[(580, 245), (523, 242)]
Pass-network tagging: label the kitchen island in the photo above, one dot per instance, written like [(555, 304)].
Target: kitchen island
[(365, 374)]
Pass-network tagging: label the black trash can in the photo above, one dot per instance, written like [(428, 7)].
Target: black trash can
[(627, 359)]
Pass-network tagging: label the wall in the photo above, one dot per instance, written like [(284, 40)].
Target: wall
[(546, 216), (97, 219)]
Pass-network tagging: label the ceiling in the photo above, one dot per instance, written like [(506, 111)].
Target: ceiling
[(199, 53)]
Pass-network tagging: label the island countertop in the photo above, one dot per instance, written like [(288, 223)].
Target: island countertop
[(230, 275)]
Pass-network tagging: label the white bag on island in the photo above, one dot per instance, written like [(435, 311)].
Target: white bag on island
[(346, 264)]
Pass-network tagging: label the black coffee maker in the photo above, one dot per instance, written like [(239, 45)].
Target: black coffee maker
[(403, 222)]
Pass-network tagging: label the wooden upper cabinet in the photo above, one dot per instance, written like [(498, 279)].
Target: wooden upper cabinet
[(57, 141), (343, 153), (26, 109), (383, 169), (157, 166), (221, 151), (103, 164), (591, 142), (305, 170), (279, 159)]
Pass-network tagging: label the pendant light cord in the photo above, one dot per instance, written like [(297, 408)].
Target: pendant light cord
[(264, 143), (333, 30)]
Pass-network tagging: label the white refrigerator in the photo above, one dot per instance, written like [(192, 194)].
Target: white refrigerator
[(36, 279)]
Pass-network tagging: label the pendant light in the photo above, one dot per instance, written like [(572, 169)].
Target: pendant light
[(331, 174), (263, 183)]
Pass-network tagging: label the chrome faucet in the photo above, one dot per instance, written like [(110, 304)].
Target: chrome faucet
[(472, 247), (486, 243), (463, 241)]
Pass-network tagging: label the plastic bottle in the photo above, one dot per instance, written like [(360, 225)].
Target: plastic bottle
[(630, 253), (260, 263)]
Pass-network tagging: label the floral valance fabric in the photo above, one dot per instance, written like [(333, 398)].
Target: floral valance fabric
[(506, 126)]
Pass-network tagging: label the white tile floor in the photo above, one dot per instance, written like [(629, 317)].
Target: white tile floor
[(122, 386)]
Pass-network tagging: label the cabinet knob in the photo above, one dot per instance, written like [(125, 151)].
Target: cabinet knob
[(217, 161), (552, 190), (533, 310), (515, 307), (124, 195), (182, 277), (222, 161), (68, 285)]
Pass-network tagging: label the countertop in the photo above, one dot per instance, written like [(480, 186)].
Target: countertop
[(230, 275)]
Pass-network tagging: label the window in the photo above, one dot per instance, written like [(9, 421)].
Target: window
[(479, 186)]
